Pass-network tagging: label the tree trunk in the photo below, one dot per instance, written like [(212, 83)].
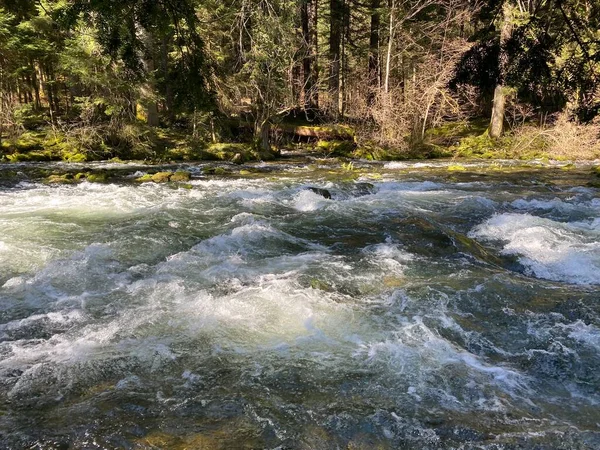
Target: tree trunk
[(264, 134), (388, 59), (151, 106), (164, 65), (36, 85), (335, 40), (149, 88), (374, 70), (343, 60), (497, 120), (308, 16), (314, 19)]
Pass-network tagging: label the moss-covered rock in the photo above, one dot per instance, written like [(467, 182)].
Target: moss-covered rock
[(373, 152), (80, 176), (60, 179), (456, 168), (181, 176), (97, 177), (214, 171), (144, 178), (336, 148), (162, 177)]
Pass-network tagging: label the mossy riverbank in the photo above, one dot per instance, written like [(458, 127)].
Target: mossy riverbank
[(452, 140)]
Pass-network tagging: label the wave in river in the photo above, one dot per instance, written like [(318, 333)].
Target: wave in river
[(549, 249)]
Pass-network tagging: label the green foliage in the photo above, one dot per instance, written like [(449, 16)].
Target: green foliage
[(480, 146), (550, 57)]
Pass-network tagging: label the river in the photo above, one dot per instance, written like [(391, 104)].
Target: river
[(418, 308)]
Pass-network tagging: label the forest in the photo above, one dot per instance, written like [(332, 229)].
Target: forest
[(242, 79)]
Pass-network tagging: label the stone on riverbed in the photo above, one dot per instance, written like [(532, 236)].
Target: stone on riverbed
[(320, 191)]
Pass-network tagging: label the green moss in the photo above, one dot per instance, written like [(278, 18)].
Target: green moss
[(161, 177), (235, 152), (180, 176), (28, 141), (74, 157), (185, 152), (214, 171), (596, 171), (336, 148), (456, 168), (144, 178), (80, 176), (60, 179), (476, 146), (97, 177), (30, 156)]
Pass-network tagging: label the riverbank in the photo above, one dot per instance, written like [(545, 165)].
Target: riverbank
[(564, 141)]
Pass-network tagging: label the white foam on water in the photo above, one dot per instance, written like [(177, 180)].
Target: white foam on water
[(587, 334), (555, 203), (548, 249), (563, 206), (389, 256), (307, 200)]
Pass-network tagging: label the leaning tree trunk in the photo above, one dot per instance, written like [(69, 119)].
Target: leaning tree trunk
[(497, 120)]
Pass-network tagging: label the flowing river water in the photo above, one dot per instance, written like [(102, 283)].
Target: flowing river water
[(416, 308)]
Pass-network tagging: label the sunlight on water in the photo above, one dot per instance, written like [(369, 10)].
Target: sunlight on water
[(243, 313)]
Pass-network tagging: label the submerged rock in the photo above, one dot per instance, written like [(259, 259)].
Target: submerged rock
[(320, 191), (361, 189)]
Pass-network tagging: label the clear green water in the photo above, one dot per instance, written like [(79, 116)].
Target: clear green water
[(420, 309)]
